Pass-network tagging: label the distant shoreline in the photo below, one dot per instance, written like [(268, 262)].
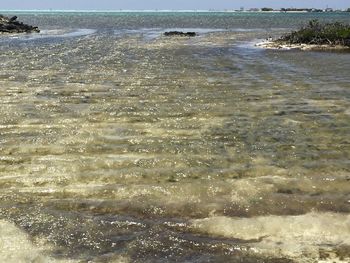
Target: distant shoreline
[(158, 11)]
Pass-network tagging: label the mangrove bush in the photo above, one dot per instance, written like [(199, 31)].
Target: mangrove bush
[(317, 33)]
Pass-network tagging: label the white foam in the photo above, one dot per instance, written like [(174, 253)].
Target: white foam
[(16, 246), (57, 33), (291, 236)]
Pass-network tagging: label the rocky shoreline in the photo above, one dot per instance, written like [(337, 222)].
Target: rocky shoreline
[(12, 26)]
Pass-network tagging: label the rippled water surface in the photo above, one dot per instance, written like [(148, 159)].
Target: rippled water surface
[(121, 145)]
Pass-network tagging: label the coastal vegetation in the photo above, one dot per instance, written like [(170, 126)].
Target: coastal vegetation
[(317, 33), (292, 9), (266, 9)]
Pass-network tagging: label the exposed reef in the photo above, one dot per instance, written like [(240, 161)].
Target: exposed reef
[(179, 33), (12, 26)]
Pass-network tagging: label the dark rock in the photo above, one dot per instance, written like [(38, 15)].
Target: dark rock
[(10, 25), (179, 33), (14, 18)]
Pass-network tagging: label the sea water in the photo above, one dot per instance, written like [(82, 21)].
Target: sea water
[(121, 145)]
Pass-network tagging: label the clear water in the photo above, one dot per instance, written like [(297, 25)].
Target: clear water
[(121, 145)]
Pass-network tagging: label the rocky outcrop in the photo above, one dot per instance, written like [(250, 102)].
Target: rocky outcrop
[(181, 34), (11, 25)]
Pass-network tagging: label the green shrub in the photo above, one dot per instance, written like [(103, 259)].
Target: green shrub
[(266, 9), (320, 33)]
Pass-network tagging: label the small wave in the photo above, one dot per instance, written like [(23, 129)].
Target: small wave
[(290, 236), (75, 33), (252, 44), (55, 33), (16, 246)]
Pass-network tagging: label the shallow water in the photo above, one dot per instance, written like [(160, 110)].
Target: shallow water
[(121, 145)]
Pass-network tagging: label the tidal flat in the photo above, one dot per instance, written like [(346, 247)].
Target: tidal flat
[(121, 145)]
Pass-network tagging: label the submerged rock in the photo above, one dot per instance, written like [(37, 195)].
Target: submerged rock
[(11, 25), (179, 33)]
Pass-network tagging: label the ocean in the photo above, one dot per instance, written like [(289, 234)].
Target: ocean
[(119, 144)]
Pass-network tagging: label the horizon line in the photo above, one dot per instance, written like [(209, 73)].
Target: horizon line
[(147, 10)]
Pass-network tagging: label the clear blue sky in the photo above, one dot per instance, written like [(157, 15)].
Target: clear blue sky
[(167, 4)]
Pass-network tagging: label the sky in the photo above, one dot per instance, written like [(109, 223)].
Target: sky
[(167, 4)]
